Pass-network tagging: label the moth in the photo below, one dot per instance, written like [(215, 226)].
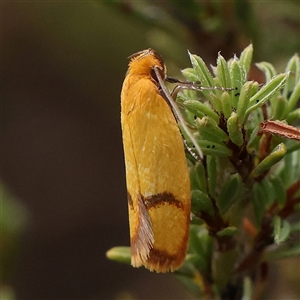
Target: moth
[(157, 177)]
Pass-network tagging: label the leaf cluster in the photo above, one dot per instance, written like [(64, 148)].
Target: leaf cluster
[(247, 188)]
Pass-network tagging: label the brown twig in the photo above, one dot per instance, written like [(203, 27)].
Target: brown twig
[(280, 129)]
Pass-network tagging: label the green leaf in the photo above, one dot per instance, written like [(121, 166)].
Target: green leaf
[(274, 157), (215, 102), (190, 74), (200, 248), (244, 100), (284, 251), (238, 78), (246, 58), (268, 191), (120, 254), (268, 69), (229, 193), (202, 72), (258, 202), (293, 66), (253, 137), (286, 173), (211, 165), (201, 177), (201, 202), (223, 74), (294, 98), (198, 261), (266, 92), (201, 242), (293, 116), (193, 177), (222, 267), (187, 269), (279, 108), (228, 231), (213, 148), (279, 188), (295, 227), (200, 110), (293, 147), (281, 230), (191, 285)]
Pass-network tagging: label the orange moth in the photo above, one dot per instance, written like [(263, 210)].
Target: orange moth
[(157, 177)]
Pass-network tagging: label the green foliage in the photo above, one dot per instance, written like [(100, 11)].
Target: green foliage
[(247, 186), (254, 175)]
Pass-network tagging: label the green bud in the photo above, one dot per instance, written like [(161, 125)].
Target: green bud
[(234, 130), (226, 104), (244, 101), (210, 130)]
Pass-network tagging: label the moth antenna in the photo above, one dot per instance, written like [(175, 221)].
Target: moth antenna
[(191, 151), (177, 112), (191, 86)]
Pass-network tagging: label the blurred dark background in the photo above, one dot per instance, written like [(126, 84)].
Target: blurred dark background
[(63, 64)]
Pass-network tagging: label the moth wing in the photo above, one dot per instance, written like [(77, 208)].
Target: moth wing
[(157, 181)]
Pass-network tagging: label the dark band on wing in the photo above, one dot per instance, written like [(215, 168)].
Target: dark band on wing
[(161, 198), (163, 261), (161, 257)]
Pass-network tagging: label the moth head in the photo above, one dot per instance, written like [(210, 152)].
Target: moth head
[(146, 61)]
